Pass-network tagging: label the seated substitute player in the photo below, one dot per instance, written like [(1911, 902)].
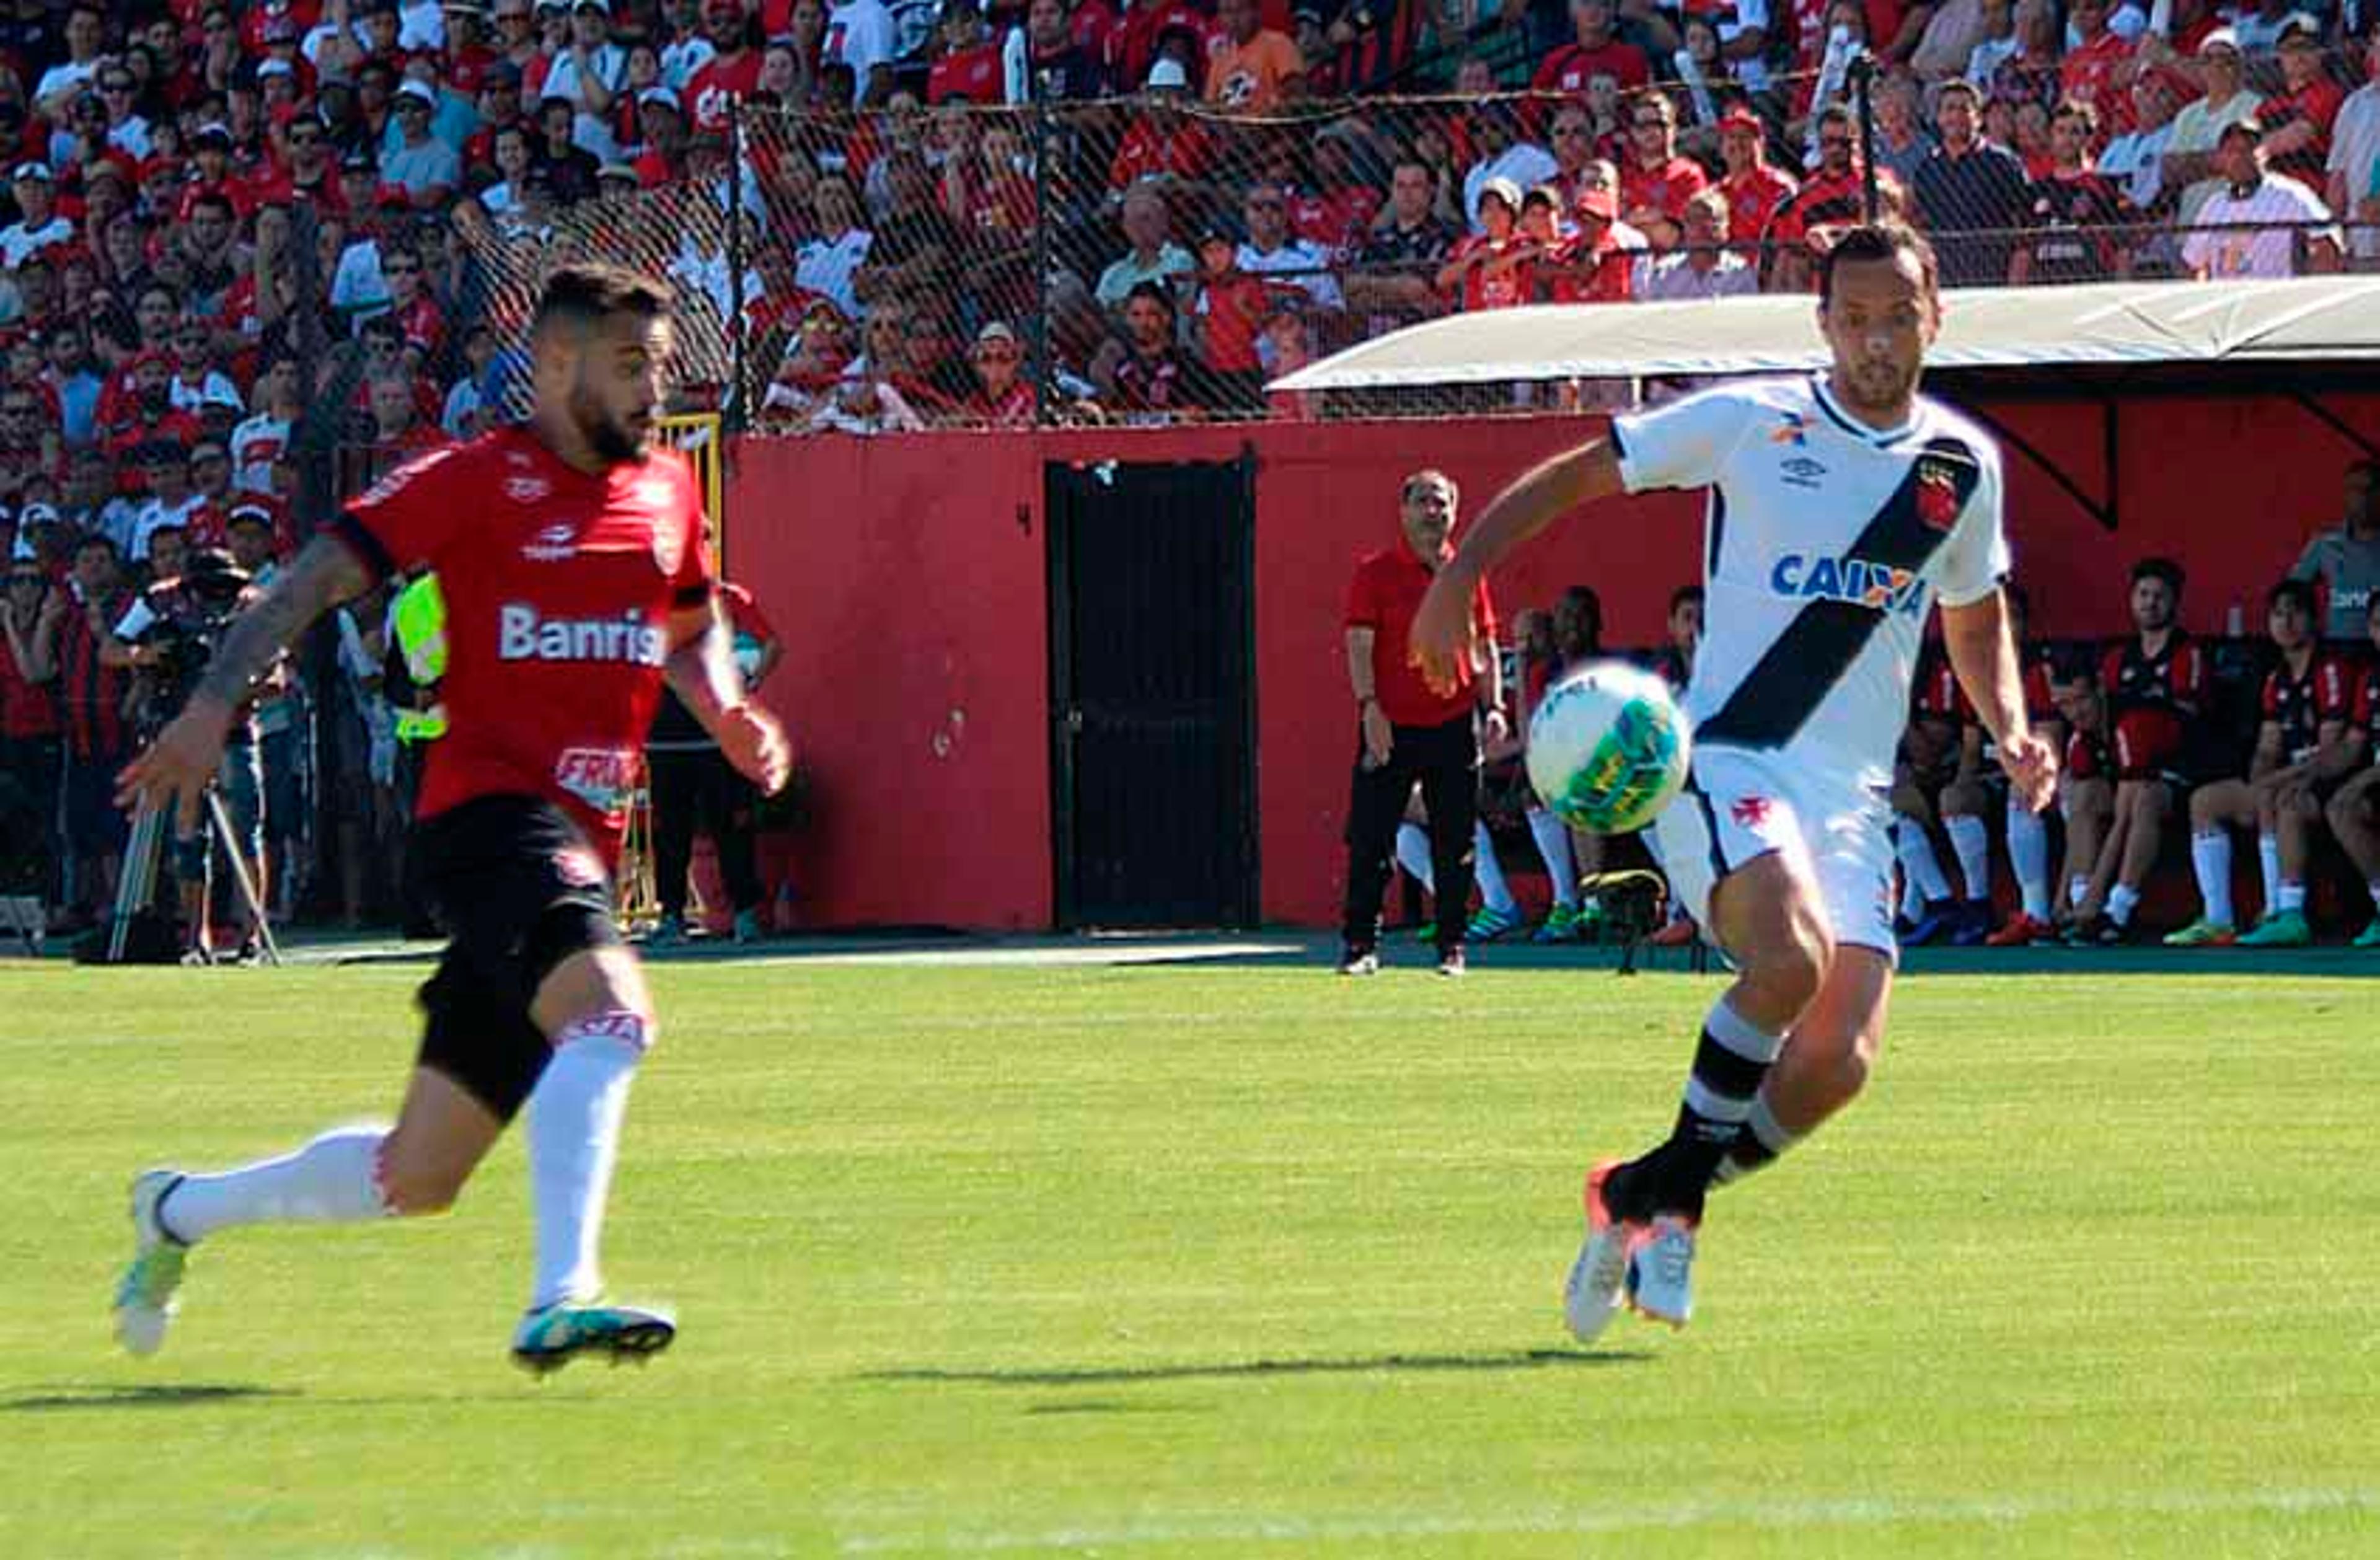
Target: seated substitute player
[(2301, 754), (2086, 788), (1818, 599), (2354, 812), (575, 583), (2155, 684), (1967, 803)]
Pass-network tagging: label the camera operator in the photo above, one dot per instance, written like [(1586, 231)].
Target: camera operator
[(167, 636)]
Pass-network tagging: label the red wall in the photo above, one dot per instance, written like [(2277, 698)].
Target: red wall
[(914, 605)]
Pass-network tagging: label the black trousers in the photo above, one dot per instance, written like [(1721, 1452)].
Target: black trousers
[(701, 790), (1445, 759)]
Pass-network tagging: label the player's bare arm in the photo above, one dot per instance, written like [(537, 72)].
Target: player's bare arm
[(701, 671), (1984, 657), (178, 766), (1441, 630)]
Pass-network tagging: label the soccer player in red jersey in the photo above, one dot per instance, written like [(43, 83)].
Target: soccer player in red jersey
[(575, 583)]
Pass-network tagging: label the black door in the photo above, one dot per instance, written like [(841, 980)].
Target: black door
[(1152, 636)]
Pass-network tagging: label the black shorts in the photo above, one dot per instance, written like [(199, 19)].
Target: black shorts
[(517, 889)]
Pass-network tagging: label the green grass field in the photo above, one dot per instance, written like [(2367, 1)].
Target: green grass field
[(1221, 1262)]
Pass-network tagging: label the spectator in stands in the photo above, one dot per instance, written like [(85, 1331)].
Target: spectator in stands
[(1251, 69), (1271, 250), (732, 71), (1503, 153), (1393, 282), (2155, 684), (425, 168), (2097, 64), (2225, 237), (966, 63), (828, 261), (1231, 308), (916, 247), (1595, 50), (397, 430), (1003, 397), (1654, 182), (1902, 141), (1163, 143), (38, 224), (860, 36), (2297, 120), (2225, 99), (2345, 560), (1831, 197), (1143, 377), (32, 611), (2301, 754), (92, 703), (2354, 812), (1495, 268), (1153, 256), (1966, 184), (2353, 184), (2134, 161), (2077, 216), (1705, 266), (1059, 67), (85, 31), (258, 443), (1755, 190)]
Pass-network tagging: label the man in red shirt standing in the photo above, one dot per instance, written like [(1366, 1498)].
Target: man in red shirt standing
[(575, 583), (1593, 51), (1755, 191), (2296, 119), (1408, 731)]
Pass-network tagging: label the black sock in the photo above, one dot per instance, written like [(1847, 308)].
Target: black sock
[(1731, 1060)]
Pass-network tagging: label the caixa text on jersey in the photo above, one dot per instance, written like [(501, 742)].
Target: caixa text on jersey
[(1855, 580), (524, 634)]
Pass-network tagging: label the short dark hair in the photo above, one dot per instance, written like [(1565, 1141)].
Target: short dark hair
[(1684, 594), (2160, 569), (1157, 292), (2298, 590), (1877, 240), (1958, 86), (583, 294)]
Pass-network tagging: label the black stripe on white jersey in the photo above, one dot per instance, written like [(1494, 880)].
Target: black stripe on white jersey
[(1777, 697)]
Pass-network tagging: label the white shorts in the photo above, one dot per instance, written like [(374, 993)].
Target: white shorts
[(1738, 806)]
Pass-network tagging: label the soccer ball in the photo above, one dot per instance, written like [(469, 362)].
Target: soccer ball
[(1608, 747)]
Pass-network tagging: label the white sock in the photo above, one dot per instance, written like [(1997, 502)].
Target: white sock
[(2078, 888), (1413, 854), (1553, 844), (2122, 900), (333, 1179), (1494, 892), (2291, 897), (2268, 865), (1917, 858), (573, 1139), (2028, 849), (1975, 848), (2373, 888), (2210, 860)]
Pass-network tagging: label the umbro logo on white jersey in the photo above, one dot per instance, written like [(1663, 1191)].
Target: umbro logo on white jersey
[(1802, 472)]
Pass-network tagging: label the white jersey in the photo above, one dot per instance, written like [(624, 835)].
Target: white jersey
[(1826, 544)]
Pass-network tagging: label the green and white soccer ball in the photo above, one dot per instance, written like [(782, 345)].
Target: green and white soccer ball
[(1608, 747)]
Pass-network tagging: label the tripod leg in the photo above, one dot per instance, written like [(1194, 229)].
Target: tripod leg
[(246, 883), (138, 881)]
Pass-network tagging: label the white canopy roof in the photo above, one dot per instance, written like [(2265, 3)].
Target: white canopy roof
[(2305, 319)]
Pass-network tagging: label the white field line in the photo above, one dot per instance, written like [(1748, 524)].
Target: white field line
[(1776, 1515)]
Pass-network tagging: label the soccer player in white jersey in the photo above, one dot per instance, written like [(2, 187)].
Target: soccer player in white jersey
[(1843, 506)]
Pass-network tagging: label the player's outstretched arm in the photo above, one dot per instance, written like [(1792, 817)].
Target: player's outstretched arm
[(177, 765), (701, 671), (1984, 657), (1441, 630)]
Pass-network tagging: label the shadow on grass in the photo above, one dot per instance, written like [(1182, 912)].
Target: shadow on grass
[(1108, 1375), (1116, 1406), (62, 1399)]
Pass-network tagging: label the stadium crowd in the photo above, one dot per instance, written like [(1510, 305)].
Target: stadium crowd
[(208, 201)]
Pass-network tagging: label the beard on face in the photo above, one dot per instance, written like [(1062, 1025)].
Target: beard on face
[(609, 433)]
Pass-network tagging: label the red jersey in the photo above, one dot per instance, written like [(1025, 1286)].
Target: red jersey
[(1495, 282), (1608, 281), (2301, 706), (1666, 188), (559, 588), (1235, 306), (2151, 699), (972, 74), (711, 92), (1753, 199), (1383, 597), (27, 711), (2317, 103), (2088, 75), (2367, 704), (1185, 152), (1569, 69)]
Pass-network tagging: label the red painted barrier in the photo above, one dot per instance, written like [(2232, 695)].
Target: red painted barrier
[(909, 576)]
